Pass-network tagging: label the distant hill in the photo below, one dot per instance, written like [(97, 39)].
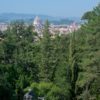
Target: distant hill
[(28, 18)]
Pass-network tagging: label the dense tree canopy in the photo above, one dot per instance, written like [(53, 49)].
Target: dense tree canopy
[(65, 67)]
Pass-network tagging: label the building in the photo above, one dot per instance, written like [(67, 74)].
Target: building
[(3, 26), (38, 25), (64, 29)]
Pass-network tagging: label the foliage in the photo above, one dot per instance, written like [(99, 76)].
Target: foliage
[(65, 67), (47, 90)]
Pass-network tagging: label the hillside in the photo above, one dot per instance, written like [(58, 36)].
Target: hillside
[(28, 18)]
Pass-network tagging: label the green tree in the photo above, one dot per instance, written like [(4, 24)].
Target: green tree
[(90, 52), (45, 65)]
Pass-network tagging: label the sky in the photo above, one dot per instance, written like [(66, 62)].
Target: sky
[(62, 8)]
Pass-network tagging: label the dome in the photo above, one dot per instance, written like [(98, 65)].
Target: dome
[(37, 21)]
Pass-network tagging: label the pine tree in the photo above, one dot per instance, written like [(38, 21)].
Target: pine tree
[(45, 65), (90, 52)]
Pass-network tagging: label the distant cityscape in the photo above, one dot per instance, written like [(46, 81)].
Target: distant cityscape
[(38, 24), (55, 29)]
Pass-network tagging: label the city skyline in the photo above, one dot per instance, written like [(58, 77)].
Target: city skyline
[(54, 8)]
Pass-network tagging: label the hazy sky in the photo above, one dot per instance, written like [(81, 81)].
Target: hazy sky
[(64, 8)]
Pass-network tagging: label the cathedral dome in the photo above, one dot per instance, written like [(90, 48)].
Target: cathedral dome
[(37, 21)]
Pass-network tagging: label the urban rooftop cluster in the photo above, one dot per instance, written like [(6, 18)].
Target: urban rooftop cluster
[(54, 29)]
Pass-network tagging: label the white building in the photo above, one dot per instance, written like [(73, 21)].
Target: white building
[(3, 26), (38, 25)]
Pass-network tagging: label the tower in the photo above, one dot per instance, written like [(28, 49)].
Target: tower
[(37, 23)]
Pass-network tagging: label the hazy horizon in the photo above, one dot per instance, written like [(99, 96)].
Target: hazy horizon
[(40, 15), (52, 8)]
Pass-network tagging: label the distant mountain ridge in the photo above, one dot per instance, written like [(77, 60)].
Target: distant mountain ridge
[(28, 18)]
